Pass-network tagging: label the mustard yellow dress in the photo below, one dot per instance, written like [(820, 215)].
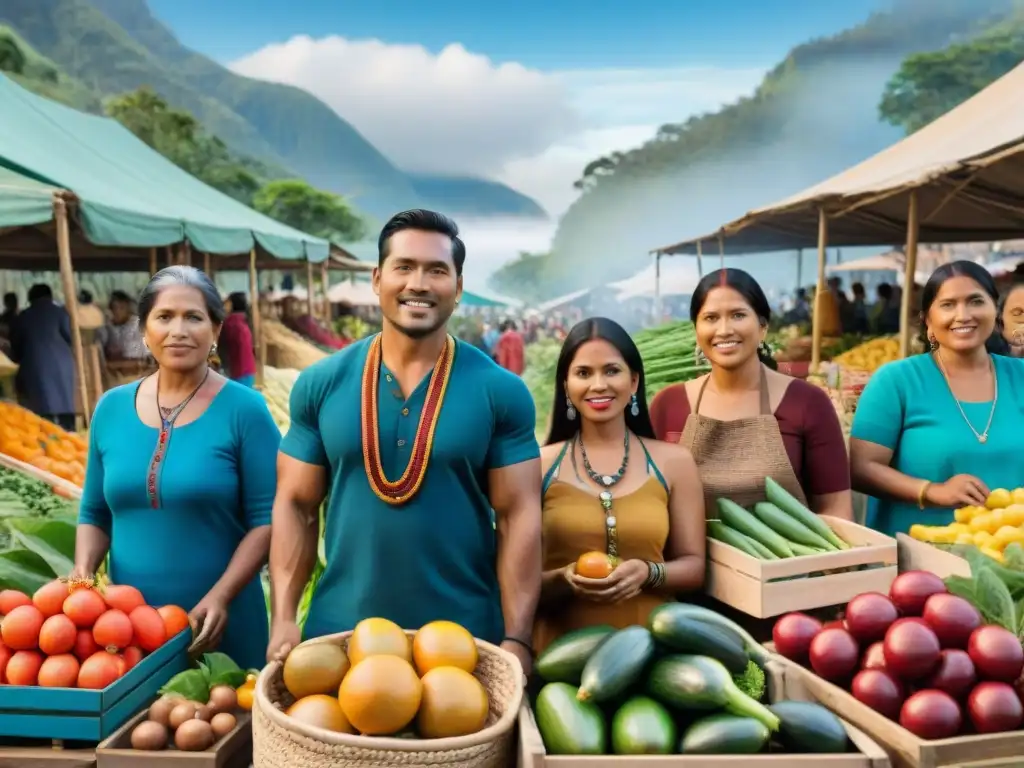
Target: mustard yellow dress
[(574, 523)]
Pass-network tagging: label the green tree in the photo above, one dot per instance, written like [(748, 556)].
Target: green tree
[(179, 137), (12, 58), (523, 278), (297, 204), (928, 85)]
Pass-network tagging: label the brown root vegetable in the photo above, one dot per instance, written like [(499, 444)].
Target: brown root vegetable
[(222, 724), (193, 736), (203, 712), (183, 710), (160, 711), (223, 699), (149, 736)]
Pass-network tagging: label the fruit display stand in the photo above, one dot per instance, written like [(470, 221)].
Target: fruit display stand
[(59, 484), (281, 741), (74, 714), (232, 751), (766, 588), (904, 748), (532, 753), (917, 555)]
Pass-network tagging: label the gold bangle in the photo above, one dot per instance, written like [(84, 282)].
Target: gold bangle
[(920, 494)]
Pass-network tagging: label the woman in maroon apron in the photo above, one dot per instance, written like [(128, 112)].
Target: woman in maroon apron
[(744, 421)]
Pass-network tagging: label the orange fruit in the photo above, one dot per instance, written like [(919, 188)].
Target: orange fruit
[(57, 635), (20, 628), (11, 599), (594, 565), (380, 695), (377, 637), (100, 670), (444, 644), (84, 606), (132, 656), (113, 630), (60, 671), (23, 668), (149, 629), (85, 645), (175, 619), (123, 597), (320, 711), (50, 598), (5, 656), (454, 704)]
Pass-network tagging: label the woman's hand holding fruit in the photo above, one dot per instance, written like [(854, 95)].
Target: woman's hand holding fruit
[(958, 491), (624, 582)]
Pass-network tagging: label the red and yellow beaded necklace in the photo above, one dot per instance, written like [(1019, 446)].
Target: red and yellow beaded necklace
[(403, 489)]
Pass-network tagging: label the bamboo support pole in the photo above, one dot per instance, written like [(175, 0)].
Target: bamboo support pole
[(799, 267), (310, 303), (185, 254), (152, 262), (817, 318), (910, 272), (67, 277), (207, 268), (325, 287), (257, 326)]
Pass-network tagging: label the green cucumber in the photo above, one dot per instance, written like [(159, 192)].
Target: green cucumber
[(683, 634), (616, 664), (808, 727), (735, 516), (721, 532), (766, 554), (725, 735), (788, 503), (568, 726), (563, 660), (700, 682), (799, 550), (642, 726), (757, 652), (788, 527)]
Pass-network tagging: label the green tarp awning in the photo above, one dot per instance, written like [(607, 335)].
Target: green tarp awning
[(129, 194), (24, 202)]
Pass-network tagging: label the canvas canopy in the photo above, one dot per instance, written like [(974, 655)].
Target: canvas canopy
[(128, 194), (24, 201), (967, 167)]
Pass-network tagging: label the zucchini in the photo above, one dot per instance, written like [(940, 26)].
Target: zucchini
[(721, 532), (735, 516), (765, 553), (799, 550), (563, 660), (616, 664), (642, 726), (789, 527), (568, 726), (700, 682), (725, 735), (757, 652), (785, 501), (686, 635), (808, 727)]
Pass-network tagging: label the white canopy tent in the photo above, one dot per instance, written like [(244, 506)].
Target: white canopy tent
[(357, 293)]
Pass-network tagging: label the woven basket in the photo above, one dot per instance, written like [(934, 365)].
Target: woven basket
[(281, 742)]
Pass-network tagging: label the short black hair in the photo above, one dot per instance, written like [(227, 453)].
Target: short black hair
[(84, 297), (39, 291), (426, 221), (119, 296), (239, 302), (10, 299)]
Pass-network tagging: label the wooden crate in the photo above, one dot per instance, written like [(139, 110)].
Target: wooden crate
[(81, 715), (917, 555), (752, 586), (233, 751), (904, 748), (23, 753), (68, 488), (533, 755)]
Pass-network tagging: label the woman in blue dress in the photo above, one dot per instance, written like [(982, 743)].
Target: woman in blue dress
[(181, 476), (941, 430)]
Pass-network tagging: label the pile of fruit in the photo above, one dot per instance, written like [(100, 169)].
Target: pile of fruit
[(27, 437), (991, 528), (198, 707), (286, 348), (690, 682), (871, 355), (24, 496), (386, 685), (776, 528), (920, 656), (70, 634), (277, 390)]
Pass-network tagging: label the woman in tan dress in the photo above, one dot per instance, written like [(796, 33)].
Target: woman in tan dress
[(744, 421), (610, 487)]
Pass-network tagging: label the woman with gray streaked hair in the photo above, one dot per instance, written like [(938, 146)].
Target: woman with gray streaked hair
[(181, 475)]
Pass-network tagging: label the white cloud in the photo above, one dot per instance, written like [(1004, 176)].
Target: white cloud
[(459, 112)]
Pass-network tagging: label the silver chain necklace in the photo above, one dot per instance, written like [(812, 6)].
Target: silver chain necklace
[(982, 437)]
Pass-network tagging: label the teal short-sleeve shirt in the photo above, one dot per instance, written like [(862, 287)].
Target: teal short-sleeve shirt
[(433, 557), (908, 408)]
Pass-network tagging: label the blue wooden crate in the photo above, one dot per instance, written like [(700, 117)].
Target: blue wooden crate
[(72, 714)]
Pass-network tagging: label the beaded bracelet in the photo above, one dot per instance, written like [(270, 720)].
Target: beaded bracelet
[(655, 575)]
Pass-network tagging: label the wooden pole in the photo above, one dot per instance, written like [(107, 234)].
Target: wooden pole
[(206, 264), (152, 262), (721, 251), (310, 305), (819, 293), (325, 286), (185, 254), (700, 260), (67, 277), (171, 261), (257, 326), (910, 272)]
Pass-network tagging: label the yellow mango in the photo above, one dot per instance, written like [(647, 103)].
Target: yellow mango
[(964, 538), (943, 536), (1005, 535), (1018, 495), (998, 499), (964, 514), (995, 554), (982, 538), (920, 532), (959, 527), (1014, 514), (983, 523)]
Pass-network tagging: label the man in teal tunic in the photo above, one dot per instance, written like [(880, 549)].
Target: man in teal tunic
[(425, 450)]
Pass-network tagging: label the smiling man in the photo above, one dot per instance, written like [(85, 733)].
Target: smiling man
[(425, 450)]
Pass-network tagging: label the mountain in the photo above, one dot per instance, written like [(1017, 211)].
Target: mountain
[(814, 114), (108, 47)]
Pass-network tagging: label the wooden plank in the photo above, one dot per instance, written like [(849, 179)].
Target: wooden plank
[(917, 555), (49, 478), (234, 749), (23, 753)]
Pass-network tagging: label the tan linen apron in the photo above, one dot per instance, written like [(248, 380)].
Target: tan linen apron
[(734, 457)]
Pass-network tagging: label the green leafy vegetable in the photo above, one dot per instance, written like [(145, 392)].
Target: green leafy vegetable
[(1013, 557), (220, 669), (192, 684), (995, 600)]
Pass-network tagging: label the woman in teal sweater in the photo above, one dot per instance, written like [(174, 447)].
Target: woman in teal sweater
[(181, 476), (940, 430)]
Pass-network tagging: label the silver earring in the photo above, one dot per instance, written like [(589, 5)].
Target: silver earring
[(213, 349), (570, 410), (699, 357), (635, 407), (932, 343), (766, 350)]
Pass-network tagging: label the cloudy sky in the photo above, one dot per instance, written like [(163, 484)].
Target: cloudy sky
[(525, 92)]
